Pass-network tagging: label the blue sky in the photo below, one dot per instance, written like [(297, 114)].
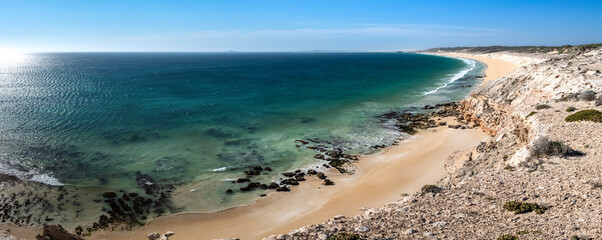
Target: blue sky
[(147, 25)]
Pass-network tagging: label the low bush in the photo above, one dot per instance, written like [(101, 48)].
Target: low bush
[(523, 207), (509, 168), (344, 236), (544, 147), (531, 114), (542, 106), (575, 237), (585, 115), (570, 109), (430, 189), (507, 237)]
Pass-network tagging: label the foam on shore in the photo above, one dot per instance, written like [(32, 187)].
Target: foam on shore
[(471, 65), (32, 175)]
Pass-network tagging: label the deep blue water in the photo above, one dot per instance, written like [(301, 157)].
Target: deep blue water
[(93, 120)]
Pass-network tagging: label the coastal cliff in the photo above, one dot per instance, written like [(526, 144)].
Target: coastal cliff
[(537, 178)]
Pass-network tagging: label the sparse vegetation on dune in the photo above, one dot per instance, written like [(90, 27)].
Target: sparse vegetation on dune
[(585, 115)]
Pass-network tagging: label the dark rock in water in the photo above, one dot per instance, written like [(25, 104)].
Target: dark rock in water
[(273, 185), (428, 107), (146, 182), (109, 194), (250, 186), (263, 195), (312, 172), (242, 180), (321, 175), (290, 182), (267, 169), (379, 146), (252, 173), (326, 165), (103, 181), (328, 182), (263, 186), (302, 142), (79, 230), (133, 195), (299, 179), (288, 174), (229, 191), (125, 197), (258, 168), (56, 232), (283, 189)]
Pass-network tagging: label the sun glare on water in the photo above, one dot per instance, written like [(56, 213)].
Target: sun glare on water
[(11, 58)]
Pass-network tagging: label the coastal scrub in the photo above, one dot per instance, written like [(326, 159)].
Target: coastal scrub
[(345, 236), (507, 237), (523, 207), (430, 189), (545, 147), (585, 115)]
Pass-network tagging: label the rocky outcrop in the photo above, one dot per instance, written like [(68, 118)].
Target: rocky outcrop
[(5, 235), (157, 236), (56, 232)]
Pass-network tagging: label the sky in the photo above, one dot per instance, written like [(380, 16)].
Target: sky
[(281, 25)]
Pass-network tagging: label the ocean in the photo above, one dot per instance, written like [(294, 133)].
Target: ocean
[(90, 123)]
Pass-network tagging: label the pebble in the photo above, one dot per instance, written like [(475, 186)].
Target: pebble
[(410, 231)]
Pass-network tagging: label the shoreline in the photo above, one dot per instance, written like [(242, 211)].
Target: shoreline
[(494, 68), (377, 174), (380, 178)]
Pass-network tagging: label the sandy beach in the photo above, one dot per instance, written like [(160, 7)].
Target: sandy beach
[(495, 68)]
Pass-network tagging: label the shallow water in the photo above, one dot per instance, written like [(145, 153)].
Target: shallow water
[(90, 121)]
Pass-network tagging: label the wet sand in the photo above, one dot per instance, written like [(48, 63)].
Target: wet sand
[(495, 68), (380, 179)]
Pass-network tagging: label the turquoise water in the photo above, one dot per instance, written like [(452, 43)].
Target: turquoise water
[(92, 120)]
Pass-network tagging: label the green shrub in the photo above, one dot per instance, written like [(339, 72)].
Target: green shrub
[(523, 207), (542, 106), (544, 147), (575, 237), (531, 114), (430, 189), (345, 236), (585, 115), (507, 237), (522, 232), (509, 168), (570, 109)]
